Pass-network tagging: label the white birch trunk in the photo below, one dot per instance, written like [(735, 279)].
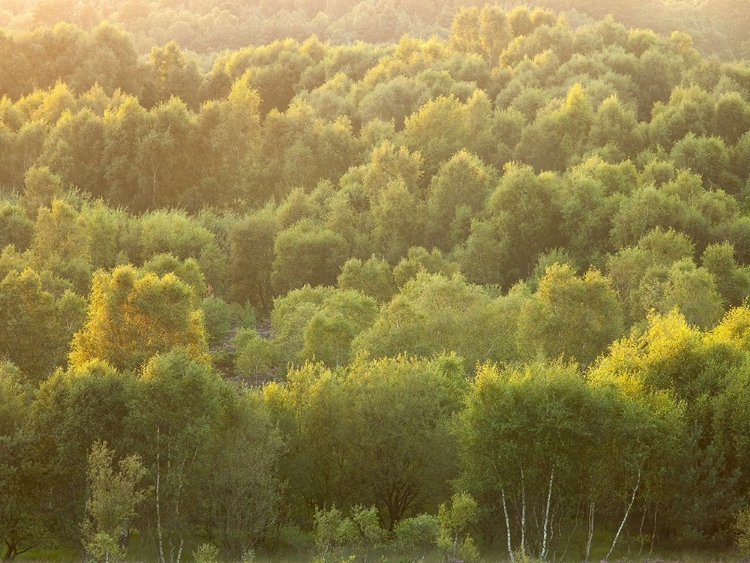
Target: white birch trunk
[(591, 529), (523, 511), (179, 551), (543, 553), (507, 526), (624, 518)]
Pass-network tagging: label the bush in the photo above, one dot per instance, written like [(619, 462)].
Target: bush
[(742, 526), (103, 547), (253, 354), (206, 553), (216, 318), (417, 534)]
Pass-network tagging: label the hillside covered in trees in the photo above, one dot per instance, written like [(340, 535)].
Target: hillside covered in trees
[(718, 27), (476, 292)]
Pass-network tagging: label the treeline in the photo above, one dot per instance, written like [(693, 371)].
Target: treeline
[(719, 27), (546, 456), (494, 287)]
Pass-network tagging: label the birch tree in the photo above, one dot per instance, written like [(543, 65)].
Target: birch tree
[(178, 408), (110, 509), (523, 438)]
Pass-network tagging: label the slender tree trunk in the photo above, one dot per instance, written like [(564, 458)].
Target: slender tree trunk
[(523, 511), (624, 518), (179, 551), (590, 537), (653, 534), (158, 498), (543, 553), (507, 526)]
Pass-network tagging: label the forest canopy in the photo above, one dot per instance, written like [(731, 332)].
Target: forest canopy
[(335, 279)]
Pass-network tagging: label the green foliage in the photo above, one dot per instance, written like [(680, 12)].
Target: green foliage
[(372, 277), (433, 314), (409, 400), (742, 525), (306, 254), (453, 520), (253, 354), (187, 271), (251, 258), (206, 553), (569, 317), (331, 529), (112, 505), (418, 533), (15, 227), (32, 328), (22, 518), (74, 410), (243, 495), (178, 408), (340, 203), (419, 260), (329, 333), (143, 314), (217, 316)]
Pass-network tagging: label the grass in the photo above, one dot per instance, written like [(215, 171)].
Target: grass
[(299, 552)]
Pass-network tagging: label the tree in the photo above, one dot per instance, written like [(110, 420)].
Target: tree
[(41, 188), (433, 314), (306, 254), (418, 260), (74, 409), (230, 136), (251, 258), (74, 151), (522, 437), (134, 315), (453, 521), (732, 117), (732, 282), (627, 269), (172, 74), (399, 220), (171, 231), (614, 124), (523, 220), (693, 291), (577, 318), (178, 410), (329, 333), (15, 227), (188, 271), (61, 244), (111, 507), (457, 193), (22, 518), (707, 156), (32, 333), (244, 494), (335, 456), (372, 277)]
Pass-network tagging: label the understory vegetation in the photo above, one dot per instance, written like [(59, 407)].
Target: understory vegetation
[(474, 293)]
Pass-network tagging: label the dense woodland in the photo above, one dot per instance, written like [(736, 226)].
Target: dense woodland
[(720, 27), (478, 294)]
